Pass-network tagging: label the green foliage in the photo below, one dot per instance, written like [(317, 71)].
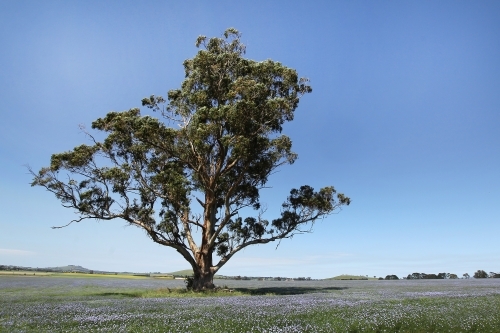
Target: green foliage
[(189, 281), (418, 276), (220, 139), (480, 274)]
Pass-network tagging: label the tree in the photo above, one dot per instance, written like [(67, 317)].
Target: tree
[(415, 276), (219, 141), (480, 274), (391, 277), (429, 276), (466, 276), (453, 276)]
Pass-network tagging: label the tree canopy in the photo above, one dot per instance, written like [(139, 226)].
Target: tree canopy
[(217, 143), (418, 276), (480, 274)]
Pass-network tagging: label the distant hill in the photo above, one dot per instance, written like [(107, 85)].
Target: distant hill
[(350, 277), (184, 272), (69, 268)]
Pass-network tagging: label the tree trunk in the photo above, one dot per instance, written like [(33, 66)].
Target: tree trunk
[(203, 274), (203, 281)]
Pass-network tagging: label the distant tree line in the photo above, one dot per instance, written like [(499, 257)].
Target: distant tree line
[(480, 274), (422, 276), (20, 268)]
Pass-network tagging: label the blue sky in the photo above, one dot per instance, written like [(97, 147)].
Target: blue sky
[(404, 118)]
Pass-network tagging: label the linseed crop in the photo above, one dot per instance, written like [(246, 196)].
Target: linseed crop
[(79, 305)]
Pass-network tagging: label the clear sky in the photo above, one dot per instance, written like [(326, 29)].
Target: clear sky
[(404, 119)]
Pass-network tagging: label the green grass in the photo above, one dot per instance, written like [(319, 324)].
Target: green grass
[(92, 292)]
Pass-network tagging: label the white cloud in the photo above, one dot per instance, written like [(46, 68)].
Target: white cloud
[(15, 252)]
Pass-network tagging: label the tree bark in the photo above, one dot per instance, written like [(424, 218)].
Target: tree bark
[(203, 281), (203, 273)]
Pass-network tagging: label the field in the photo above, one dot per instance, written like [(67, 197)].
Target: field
[(103, 304), (69, 275)]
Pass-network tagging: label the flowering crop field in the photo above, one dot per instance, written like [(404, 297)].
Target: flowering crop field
[(50, 304)]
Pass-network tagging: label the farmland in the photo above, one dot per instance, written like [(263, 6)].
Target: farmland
[(55, 304)]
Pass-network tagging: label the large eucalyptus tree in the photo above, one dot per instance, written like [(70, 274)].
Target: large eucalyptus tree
[(215, 147)]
